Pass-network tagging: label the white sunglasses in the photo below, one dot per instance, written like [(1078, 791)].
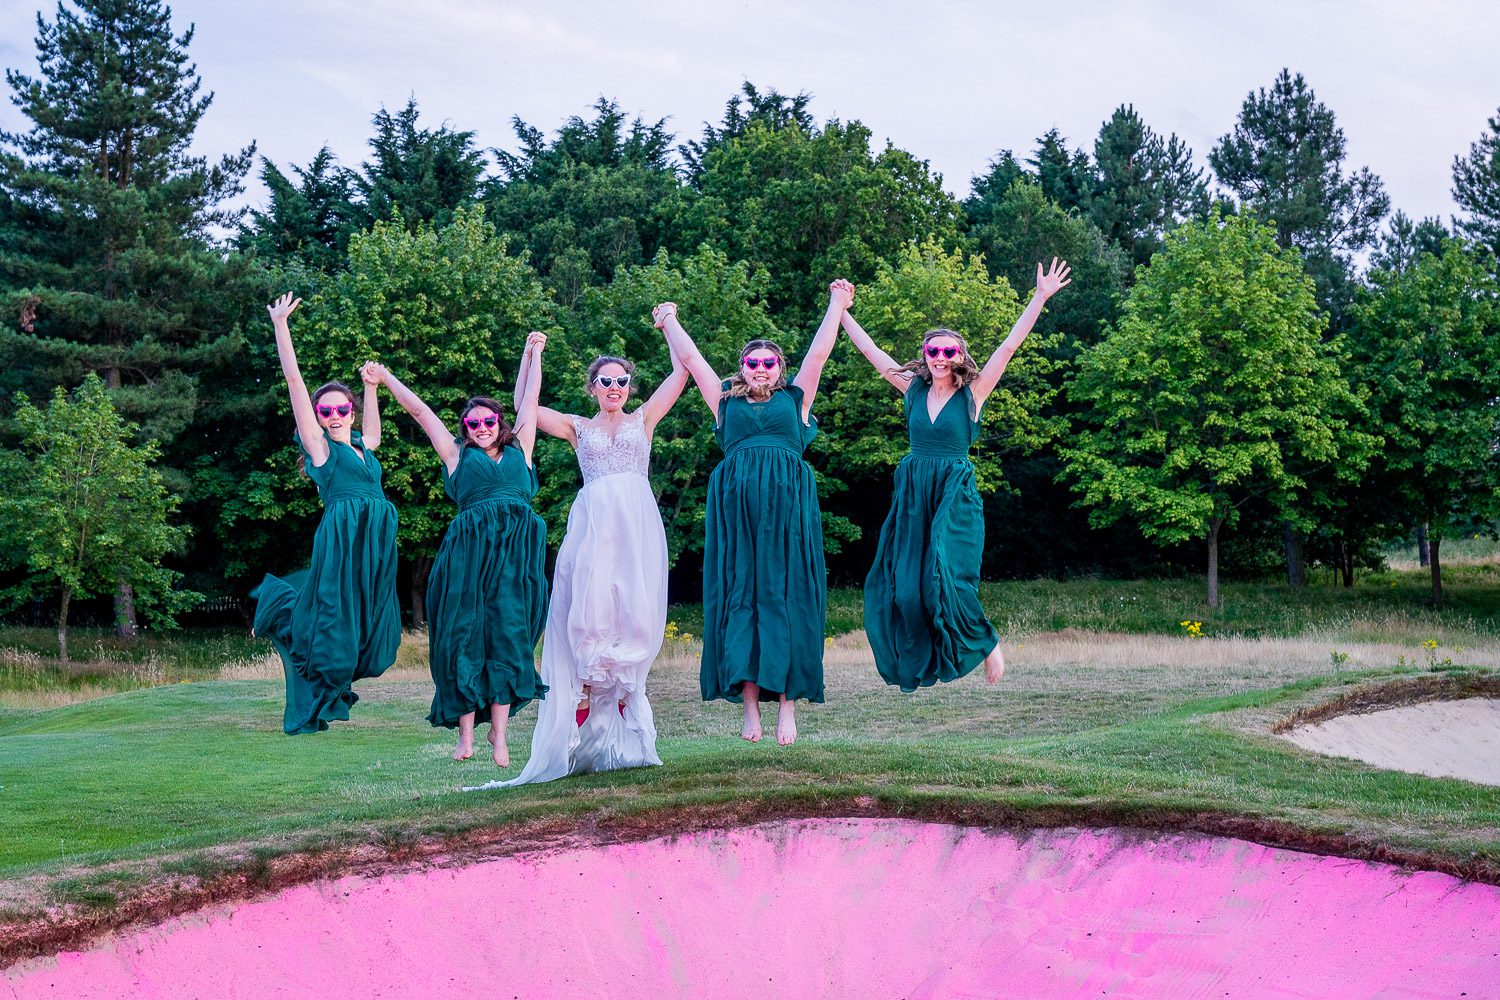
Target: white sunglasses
[(611, 381)]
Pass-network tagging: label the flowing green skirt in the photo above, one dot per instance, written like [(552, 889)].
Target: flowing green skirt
[(922, 612), (486, 608), (765, 591), (337, 621)]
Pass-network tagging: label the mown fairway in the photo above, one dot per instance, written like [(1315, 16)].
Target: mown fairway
[(1101, 718)]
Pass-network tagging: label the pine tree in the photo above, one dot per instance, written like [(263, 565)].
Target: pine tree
[(109, 263), (1476, 188)]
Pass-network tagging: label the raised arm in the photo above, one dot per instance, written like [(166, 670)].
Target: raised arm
[(840, 298), (1047, 285), (369, 425), (308, 430), (548, 420), (887, 366), (437, 432), (664, 317), (531, 371), (666, 394)]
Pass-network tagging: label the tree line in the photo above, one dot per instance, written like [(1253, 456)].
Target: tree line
[(1258, 364)]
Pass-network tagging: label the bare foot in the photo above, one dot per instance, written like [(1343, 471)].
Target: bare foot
[(502, 754), (751, 732), (465, 748), (994, 665), (786, 723)]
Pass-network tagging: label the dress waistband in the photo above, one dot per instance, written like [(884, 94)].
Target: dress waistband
[(947, 454), (498, 496), (750, 443)]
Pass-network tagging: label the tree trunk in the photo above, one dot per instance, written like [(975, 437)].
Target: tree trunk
[(420, 566), (1424, 553), (1437, 573), (1213, 561), (62, 624), (1296, 565), (1346, 562), (125, 621)]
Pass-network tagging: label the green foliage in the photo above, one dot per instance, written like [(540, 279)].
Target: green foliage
[(807, 205), (1210, 387), (926, 287), (107, 262), (721, 304), (1143, 184), (601, 196), (417, 175), (94, 512), (447, 309), (1284, 160), (1476, 188), (1428, 338), (310, 221), (1017, 227)]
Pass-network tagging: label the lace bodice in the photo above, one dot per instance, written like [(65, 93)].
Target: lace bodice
[(598, 456)]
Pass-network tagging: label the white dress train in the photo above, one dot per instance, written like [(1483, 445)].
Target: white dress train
[(607, 615)]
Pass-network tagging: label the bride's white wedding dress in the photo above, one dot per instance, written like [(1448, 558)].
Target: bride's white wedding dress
[(607, 615)]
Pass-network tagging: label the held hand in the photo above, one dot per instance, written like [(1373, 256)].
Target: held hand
[(535, 341), (374, 373), (282, 308), (1056, 277), (841, 294), (660, 313)]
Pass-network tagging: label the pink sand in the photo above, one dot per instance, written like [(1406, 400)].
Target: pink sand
[(841, 908)]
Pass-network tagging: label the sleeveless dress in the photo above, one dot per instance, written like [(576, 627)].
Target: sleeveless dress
[(336, 621), (922, 610), (607, 616), (487, 592), (765, 592)]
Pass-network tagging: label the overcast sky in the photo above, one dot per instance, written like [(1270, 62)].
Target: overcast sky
[(1412, 84)]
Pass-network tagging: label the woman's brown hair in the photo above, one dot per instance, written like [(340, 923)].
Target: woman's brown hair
[(965, 368), (609, 359), (318, 394), (737, 384), (505, 433)]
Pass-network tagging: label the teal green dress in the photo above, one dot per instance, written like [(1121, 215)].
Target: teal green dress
[(487, 592), (922, 610), (337, 621), (765, 593)]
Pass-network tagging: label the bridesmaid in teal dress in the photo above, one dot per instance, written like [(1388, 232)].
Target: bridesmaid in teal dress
[(765, 594), (337, 621), (922, 612), (487, 592)]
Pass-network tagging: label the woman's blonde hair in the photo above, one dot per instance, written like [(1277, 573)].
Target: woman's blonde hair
[(737, 384)]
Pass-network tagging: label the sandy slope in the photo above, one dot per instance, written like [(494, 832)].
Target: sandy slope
[(1445, 739)]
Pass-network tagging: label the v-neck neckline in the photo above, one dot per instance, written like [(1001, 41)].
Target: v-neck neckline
[(932, 418)]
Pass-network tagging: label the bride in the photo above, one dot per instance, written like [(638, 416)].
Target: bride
[(608, 610)]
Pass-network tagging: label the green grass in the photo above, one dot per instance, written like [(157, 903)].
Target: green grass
[(178, 771)]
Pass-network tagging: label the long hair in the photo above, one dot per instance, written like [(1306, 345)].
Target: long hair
[(609, 359), (318, 394), (505, 433), (965, 368), (737, 384)]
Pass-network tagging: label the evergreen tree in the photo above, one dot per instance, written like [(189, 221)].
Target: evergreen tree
[(1405, 241), (1284, 160), (425, 174), (772, 109), (1066, 177), (108, 261), (310, 220), (1476, 188), (1143, 185), (602, 195)]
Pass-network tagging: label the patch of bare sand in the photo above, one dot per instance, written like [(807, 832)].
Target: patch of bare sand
[(1443, 739)]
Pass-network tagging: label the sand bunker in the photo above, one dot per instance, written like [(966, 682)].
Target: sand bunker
[(830, 908), (1444, 739)]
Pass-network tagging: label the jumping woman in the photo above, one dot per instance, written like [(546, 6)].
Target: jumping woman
[(922, 612)]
